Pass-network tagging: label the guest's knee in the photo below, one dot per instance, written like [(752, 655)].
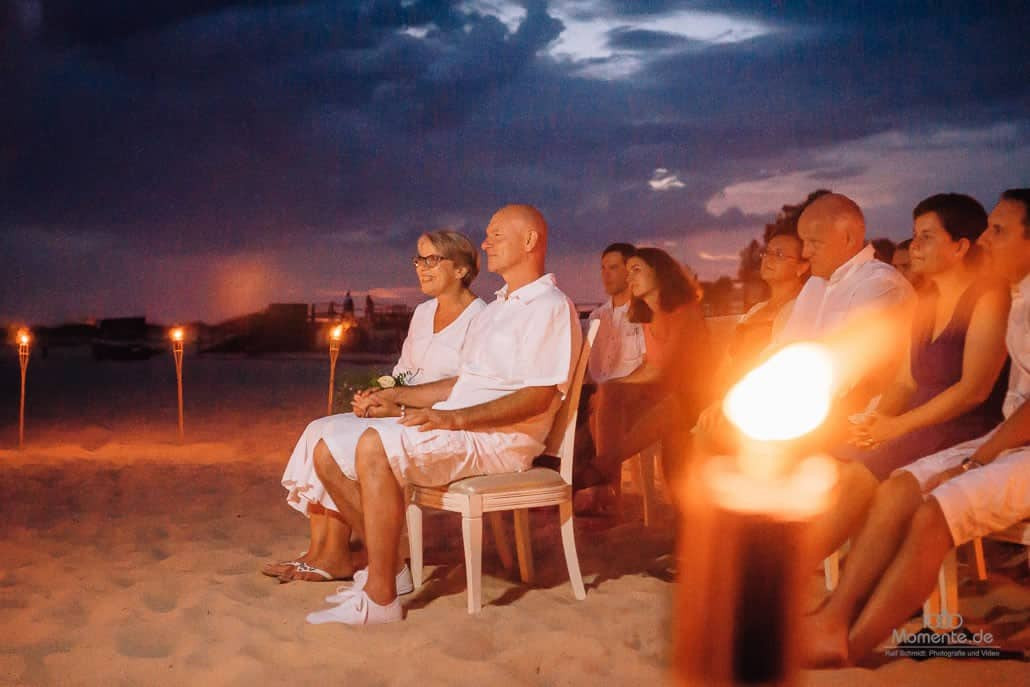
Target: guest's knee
[(322, 459), (370, 455), (930, 527)]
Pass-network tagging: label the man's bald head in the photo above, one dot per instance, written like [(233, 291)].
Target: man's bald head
[(832, 229), (516, 239)]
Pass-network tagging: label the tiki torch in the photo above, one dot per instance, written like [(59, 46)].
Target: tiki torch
[(23, 358), (749, 518), (177, 336), (335, 336)]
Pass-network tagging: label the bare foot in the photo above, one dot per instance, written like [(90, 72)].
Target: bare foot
[(278, 568), (824, 641), (318, 571)]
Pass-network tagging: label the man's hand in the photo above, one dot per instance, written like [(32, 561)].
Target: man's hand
[(427, 419), (942, 477)]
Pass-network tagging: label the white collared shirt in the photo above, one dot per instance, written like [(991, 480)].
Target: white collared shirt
[(1017, 340), (823, 305), (427, 355), (619, 346), (526, 338)]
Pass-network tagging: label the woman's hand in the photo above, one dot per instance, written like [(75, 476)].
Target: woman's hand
[(365, 400), (872, 429)]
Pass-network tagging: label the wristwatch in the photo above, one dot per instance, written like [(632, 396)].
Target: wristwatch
[(968, 464)]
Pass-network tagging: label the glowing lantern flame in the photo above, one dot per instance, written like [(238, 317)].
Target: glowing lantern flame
[(337, 332), (177, 334), (785, 397), (23, 337)]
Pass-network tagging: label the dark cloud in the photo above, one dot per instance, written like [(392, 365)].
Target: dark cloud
[(170, 131)]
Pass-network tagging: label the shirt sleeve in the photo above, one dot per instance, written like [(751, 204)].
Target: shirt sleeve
[(406, 363), (554, 340)]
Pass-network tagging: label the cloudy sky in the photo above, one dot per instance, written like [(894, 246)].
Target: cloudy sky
[(191, 159)]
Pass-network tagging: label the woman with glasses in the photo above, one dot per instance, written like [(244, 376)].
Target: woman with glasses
[(785, 271), (445, 265)]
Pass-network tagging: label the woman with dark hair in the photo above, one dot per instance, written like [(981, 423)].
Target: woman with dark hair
[(660, 400), (950, 386)]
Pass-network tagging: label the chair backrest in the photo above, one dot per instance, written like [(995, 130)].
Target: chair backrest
[(562, 437)]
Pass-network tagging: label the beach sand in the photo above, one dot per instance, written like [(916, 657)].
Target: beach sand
[(127, 558)]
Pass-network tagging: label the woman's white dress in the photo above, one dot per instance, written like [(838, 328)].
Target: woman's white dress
[(426, 355)]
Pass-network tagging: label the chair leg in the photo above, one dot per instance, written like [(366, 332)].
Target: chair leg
[(523, 545), (981, 565), (501, 539), (831, 570), (472, 535), (568, 540), (414, 518), (647, 459)]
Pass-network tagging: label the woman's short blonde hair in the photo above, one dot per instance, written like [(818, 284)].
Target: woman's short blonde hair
[(457, 247)]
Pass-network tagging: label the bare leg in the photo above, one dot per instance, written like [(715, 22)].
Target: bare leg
[(853, 497), (907, 582), (384, 515), (825, 632), (332, 552)]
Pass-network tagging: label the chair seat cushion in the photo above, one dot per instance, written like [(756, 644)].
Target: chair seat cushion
[(534, 478)]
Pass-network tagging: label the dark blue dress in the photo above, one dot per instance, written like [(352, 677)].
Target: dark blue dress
[(937, 365)]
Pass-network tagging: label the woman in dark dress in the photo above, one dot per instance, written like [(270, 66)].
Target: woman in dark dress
[(951, 386)]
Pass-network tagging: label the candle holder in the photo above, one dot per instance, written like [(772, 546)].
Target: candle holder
[(23, 338), (743, 566), (335, 337), (177, 336)]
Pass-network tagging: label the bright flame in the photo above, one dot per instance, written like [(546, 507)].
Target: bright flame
[(337, 332), (23, 337), (785, 397), (177, 334)]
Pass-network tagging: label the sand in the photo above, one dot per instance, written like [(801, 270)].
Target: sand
[(127, 558)]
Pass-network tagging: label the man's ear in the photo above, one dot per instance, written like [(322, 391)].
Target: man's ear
[(532, 238)]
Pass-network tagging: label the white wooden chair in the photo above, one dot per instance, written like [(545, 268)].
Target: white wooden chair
[(519, 491)]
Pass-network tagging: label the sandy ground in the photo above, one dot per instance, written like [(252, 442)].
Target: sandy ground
[(129, 559)]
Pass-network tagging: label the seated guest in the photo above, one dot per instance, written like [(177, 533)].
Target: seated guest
[(785, 271), (446, 264), (945, 499), (847, 283), (902, 261), (949, 386), (492, 418), (661, 398), (619, 346)]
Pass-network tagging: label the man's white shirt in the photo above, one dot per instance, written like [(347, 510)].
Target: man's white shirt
[(619, 346)]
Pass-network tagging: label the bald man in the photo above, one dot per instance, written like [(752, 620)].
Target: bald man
[(847, 279), (516, 366)]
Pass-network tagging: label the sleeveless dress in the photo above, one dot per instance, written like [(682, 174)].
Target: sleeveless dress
[(937, 365), (427, 355)]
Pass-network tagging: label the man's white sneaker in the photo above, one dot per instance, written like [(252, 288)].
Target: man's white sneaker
[(359, 609), (405, 585)]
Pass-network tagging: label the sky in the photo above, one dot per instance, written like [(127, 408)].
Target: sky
[(199, 159)]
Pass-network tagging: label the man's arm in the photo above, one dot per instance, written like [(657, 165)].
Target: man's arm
[(386, 402), (1012, 433), (515, 407)]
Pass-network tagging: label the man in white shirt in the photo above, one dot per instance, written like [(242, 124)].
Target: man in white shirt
[(946, 499), (619, 347), (494, 417)]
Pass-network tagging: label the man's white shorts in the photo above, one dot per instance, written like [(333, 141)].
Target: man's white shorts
[(980, 501)]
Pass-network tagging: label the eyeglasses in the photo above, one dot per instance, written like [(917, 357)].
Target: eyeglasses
[(429, 261), (778, 254)]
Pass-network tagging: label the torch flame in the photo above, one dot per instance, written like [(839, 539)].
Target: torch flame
[(337, 332), (785, 397), (23, 337), (177, 334)]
